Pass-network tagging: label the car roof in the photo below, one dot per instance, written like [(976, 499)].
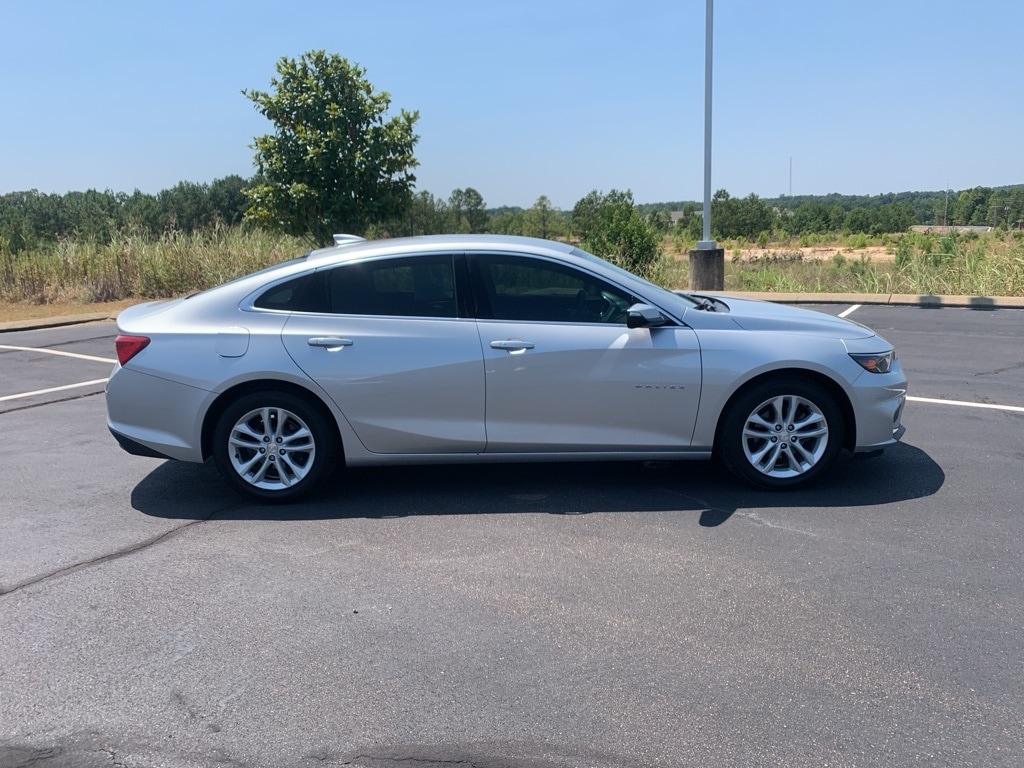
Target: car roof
[(350, 251)]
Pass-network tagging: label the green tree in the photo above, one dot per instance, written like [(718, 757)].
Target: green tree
[(333, 164), (15, 231), (1016, 203), (734, 217), (860, 219), (809, 217), (611, 226), (691, 223), (186, 206), (508, 222), (426, 215), (894, 217), (467, 211), (586, 214), (227, 198), (543, 220), (661, 220), (140, 212), (46, 215), (89, 215), (971, 206)]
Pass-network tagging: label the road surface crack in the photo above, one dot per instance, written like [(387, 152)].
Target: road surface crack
[(110, 557)]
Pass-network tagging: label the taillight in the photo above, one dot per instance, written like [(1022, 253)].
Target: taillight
[(129, 346)]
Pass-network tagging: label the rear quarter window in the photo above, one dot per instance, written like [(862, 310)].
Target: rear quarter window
[(305, 293)]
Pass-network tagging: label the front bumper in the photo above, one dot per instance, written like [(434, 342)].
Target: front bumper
[(878, 401)]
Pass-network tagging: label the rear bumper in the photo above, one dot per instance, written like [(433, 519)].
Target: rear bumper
[(136, 448), (151, 416)]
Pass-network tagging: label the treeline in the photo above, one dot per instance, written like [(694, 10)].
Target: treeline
[(977, 206), (464, 211), (749, 217), (752, 216), (32, 220)]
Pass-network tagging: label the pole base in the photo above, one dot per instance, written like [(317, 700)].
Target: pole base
[(707, 269)]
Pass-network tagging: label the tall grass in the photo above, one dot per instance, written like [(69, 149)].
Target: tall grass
[(991, 265), (137, 267), (133, 266)]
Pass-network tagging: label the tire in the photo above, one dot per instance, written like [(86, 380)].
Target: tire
[(781, 434), (274, 446)]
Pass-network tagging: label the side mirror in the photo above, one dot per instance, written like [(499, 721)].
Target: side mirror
[(644, 316)]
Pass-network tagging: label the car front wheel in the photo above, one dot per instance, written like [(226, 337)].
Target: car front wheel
[(781, 433), (273, 446)]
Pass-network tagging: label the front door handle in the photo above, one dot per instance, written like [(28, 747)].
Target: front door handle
[(512, 345), (330, 342)]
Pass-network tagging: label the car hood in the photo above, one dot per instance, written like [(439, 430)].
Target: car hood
[(754, 315)]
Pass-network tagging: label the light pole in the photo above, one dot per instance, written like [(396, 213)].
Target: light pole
[(707, 262), (707, 243)]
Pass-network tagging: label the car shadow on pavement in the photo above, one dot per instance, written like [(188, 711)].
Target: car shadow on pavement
[(183, 491)]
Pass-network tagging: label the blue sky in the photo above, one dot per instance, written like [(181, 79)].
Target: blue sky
[(527, 98)]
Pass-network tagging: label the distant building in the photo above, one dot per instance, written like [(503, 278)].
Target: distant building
[(675, 216), (938, 229)]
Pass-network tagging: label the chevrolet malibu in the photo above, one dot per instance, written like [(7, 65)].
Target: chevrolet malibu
[(489, 349)]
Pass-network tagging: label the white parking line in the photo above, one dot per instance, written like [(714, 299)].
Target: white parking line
[(59, 352), (53, 389), (851, 310), (1013, 408)]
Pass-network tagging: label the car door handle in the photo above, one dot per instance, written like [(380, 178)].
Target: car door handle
[(330, 342), (512, 345)]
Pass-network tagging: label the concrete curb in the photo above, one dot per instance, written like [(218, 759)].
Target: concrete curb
[(55, 322), (891, 299), (894, 299)]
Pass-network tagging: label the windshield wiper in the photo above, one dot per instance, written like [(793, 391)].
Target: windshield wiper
[(705, 303)]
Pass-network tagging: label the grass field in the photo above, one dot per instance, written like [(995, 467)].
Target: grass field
[(962, 264), (75, 277)]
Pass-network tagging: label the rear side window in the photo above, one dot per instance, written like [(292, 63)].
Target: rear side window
[(422, 286)]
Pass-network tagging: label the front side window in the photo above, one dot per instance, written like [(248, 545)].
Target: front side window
[(523, 288)]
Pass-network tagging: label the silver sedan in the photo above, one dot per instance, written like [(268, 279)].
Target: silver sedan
[(481, 348)]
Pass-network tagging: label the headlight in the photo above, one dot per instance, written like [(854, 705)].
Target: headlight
[(881, 363)]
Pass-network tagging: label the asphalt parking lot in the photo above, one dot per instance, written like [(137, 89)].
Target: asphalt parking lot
[(603, 616)]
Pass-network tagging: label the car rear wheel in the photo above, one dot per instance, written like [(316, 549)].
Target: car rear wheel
[(273, 446), (781, 433)]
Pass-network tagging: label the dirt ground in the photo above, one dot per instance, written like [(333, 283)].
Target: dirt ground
[(817, 252), (25, 311)]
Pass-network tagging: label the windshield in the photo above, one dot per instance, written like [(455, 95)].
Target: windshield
[(662, 295)]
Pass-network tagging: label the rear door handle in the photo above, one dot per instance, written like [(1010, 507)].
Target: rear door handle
[(512, 345), (330, 342)]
